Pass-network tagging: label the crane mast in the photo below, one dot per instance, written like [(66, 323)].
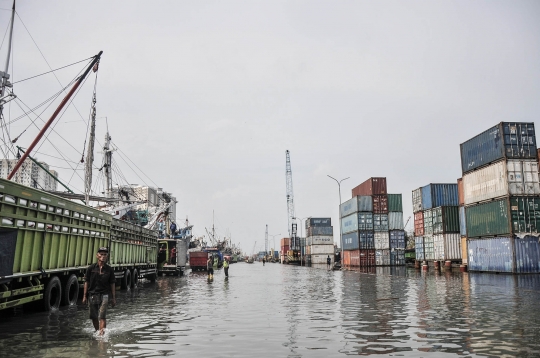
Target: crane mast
[(266, 241), (290, 201)]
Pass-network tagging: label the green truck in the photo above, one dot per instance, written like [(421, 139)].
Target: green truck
[(47, 242)]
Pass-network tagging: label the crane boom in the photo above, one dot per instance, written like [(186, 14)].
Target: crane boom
[(290, 199)]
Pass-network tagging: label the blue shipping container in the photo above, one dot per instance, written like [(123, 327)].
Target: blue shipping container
[(350, 241), (419, 248), (527, 254), (397, 257), (462, 221), (367, 240), (365, 203), (380, 222), (434, 195), (505, 140), (349, 207), (493, 254), (397, 239), (365, 221)]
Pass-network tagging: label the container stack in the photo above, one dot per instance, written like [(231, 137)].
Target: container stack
[(319, 240), (501, 198), (436, 223), (285, 246), (372, 226)]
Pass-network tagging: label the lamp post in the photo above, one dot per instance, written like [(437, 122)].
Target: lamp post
[(340, 233), (274, 238)]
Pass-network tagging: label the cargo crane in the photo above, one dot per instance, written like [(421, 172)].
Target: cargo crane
[(292, 256)]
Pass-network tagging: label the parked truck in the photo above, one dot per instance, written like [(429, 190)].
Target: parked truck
[(197, 260)]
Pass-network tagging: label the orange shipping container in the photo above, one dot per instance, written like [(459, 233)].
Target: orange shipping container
[(351, 258), (461, 196), (285, 242)]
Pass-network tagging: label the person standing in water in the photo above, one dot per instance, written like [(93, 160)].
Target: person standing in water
[(99, 285), (264, 260), (210, 267), (328, 262), (226, 267)]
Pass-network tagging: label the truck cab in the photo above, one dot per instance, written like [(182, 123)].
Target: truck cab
[(171, 257)]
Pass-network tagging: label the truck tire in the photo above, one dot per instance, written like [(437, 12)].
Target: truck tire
[(71, 291), (152, 277), (134, 278), (126, 280), (52, 294)]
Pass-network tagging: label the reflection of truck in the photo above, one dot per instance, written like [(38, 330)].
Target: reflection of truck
[(172, 256), (197, 260)]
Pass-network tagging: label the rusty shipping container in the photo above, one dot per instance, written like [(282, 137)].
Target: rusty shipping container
[(372, 186), (506, 140), (419, 223), (351, 258), (367, 258), (285, 242), (461, 196), (380, 204)]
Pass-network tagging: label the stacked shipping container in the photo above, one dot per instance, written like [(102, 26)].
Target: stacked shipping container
[(372, 226), (501, 199), (436, 223), (319, 240)]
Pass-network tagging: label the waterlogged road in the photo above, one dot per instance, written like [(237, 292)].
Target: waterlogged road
[(288, 311)]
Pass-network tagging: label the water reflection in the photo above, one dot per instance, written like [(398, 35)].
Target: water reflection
[(291, 311)]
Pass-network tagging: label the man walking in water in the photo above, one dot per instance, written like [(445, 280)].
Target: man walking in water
[(99, 285), (210, 267), (328, 262), (264, 260), (226, 266)]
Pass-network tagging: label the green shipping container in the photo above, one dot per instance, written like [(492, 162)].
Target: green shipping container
[(395, 203), (445, 219), (515, 215)]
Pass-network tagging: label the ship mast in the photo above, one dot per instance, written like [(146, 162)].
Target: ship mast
[(90, 154), (107, 166), (4, 75)]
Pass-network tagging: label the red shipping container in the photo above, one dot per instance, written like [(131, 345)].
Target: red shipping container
[(461, 196), (285, 242), (351, 258), (367, 258), (419, 223), (380, 204), (372, 186), (284, 249)]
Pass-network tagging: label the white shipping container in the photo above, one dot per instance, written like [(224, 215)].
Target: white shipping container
[(349, 223), (417, 200), (382, 257), (322, 249), (447, 247), (382, 240), (321, 240), (512, 177), (395, 220), (321, 259), (429, 253)]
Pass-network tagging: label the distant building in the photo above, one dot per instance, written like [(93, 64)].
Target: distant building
[(29, 174)]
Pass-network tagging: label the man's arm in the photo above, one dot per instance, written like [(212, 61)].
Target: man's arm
[(85, 292)]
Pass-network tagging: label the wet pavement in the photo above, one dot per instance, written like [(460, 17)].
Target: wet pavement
[(289, 311)]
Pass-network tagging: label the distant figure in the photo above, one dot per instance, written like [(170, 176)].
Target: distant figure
[(226, 267), (173, 256), (162, 254), (173, 228), (264, 260), (210, 267), (328, 262)]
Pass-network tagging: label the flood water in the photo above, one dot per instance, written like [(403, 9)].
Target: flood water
[(288, 311)]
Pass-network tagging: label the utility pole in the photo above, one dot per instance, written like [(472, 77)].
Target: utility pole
[(340, 233), (266, 241)]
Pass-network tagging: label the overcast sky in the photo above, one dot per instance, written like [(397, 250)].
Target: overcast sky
[(206, 96)]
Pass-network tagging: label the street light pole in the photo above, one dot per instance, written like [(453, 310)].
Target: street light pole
[(340, 233)]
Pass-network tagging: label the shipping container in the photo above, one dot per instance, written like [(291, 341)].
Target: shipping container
[(527, 252), (445, 219), (365, 221), (321, 240), (417, 200), (350, 241), (428, 222), (380, 204), (514, 215), (322, 250), (429, 253), (349, 207), (397, 257), (365, 203), (372, 186), (380, 222), (382, 257), (419, 223), (397, 239), (285, 242), (322, 231), (462, 221), (395, 220), (447, 246), (366, 240), (461, 197), (382, 240), (367, 258), (351, 258), (349, 223), (463, 250), (318, 222), (321, 259), (434, 195), (419, 248), (395, 202), (503, 178), (490, 254), (508, 140), (284, 249)]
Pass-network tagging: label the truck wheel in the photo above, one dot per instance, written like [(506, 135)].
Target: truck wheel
[(71, 291), (126, 280), (52, 294), (134, 278), (152, 277)]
